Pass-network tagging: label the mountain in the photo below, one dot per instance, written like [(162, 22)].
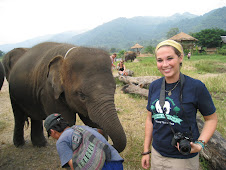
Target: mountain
[(61, 37), (122, 33)]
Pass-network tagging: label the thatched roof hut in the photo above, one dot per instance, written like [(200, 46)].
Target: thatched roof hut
[(187, 41), (183, 37), (137, 46)]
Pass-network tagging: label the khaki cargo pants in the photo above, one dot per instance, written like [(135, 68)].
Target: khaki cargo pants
[(159, 162)]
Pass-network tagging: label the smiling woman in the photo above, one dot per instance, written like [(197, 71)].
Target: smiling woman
[(171, 125)]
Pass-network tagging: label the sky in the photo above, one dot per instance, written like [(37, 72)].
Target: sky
[(25, 19)]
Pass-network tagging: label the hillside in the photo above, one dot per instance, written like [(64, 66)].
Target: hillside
[(122, 33)]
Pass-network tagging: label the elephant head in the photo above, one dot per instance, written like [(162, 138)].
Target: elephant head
[(85, 80)]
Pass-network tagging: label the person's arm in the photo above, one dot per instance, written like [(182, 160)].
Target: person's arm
[(124, 67), (70, 163), (147, 141), (209, 127)]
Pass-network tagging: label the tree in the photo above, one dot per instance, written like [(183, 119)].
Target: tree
[(149, 49), (112, 50), (121, 54), (172, 32), (209, 37), (1, 53)]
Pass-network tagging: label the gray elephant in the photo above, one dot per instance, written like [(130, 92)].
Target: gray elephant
[(11, 58), (2, 75), (56, 77), (130, 55)]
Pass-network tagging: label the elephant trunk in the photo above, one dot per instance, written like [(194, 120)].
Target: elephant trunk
[(104, 114)]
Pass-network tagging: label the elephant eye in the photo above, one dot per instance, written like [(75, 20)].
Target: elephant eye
[(82, 95)]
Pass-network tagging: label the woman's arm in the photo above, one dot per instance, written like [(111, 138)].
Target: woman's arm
[(209, 127), (147, 141)]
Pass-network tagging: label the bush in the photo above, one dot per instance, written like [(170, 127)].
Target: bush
[(222, 50), (121, 54)]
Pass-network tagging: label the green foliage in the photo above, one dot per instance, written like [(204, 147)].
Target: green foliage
[(209, 37), (1, 53), (146, 67), (204, 163), (222, 50), (172, 32), (112, 50), (121, 54), (149, 49)]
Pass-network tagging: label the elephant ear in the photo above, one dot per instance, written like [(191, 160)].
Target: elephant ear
[(54, 76)]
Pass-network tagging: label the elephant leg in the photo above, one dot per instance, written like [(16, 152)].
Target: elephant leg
[(37, 136), (19, 120)]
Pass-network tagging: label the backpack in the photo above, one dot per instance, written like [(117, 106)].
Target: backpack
[(89, 153)]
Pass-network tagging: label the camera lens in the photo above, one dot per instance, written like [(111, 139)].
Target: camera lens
[(185, 147)]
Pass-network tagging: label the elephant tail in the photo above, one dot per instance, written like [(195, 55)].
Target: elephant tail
[(26, 125)]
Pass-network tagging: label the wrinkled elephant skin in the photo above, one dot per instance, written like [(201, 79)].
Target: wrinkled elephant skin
[(44, 81)]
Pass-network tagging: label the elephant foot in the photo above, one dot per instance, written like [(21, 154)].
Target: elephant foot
[(37, 137), (39, 142), (18, 142)]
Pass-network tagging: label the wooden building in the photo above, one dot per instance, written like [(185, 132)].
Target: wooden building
[(138, 47), (187, 41)]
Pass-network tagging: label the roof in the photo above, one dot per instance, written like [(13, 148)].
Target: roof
[(137, 46), (223, 39), (182, 37)]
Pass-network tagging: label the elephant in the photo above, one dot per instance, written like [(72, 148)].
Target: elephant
[(62, 78), (2, 75), (130, 55), (11, 58)]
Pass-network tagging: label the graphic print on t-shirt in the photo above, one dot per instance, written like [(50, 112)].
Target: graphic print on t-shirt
[(171, 111)]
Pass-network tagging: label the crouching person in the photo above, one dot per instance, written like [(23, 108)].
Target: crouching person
[(82, 147)]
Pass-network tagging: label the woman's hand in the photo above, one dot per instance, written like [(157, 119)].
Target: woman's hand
[(194, 147), (145, 161)]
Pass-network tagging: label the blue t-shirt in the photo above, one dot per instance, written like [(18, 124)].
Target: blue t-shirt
[(195, 97), (64, 145)]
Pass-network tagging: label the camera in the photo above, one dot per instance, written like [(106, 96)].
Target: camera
[(184, 140)]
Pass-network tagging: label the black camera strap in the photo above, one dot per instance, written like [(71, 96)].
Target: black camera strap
[(163, 96)]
